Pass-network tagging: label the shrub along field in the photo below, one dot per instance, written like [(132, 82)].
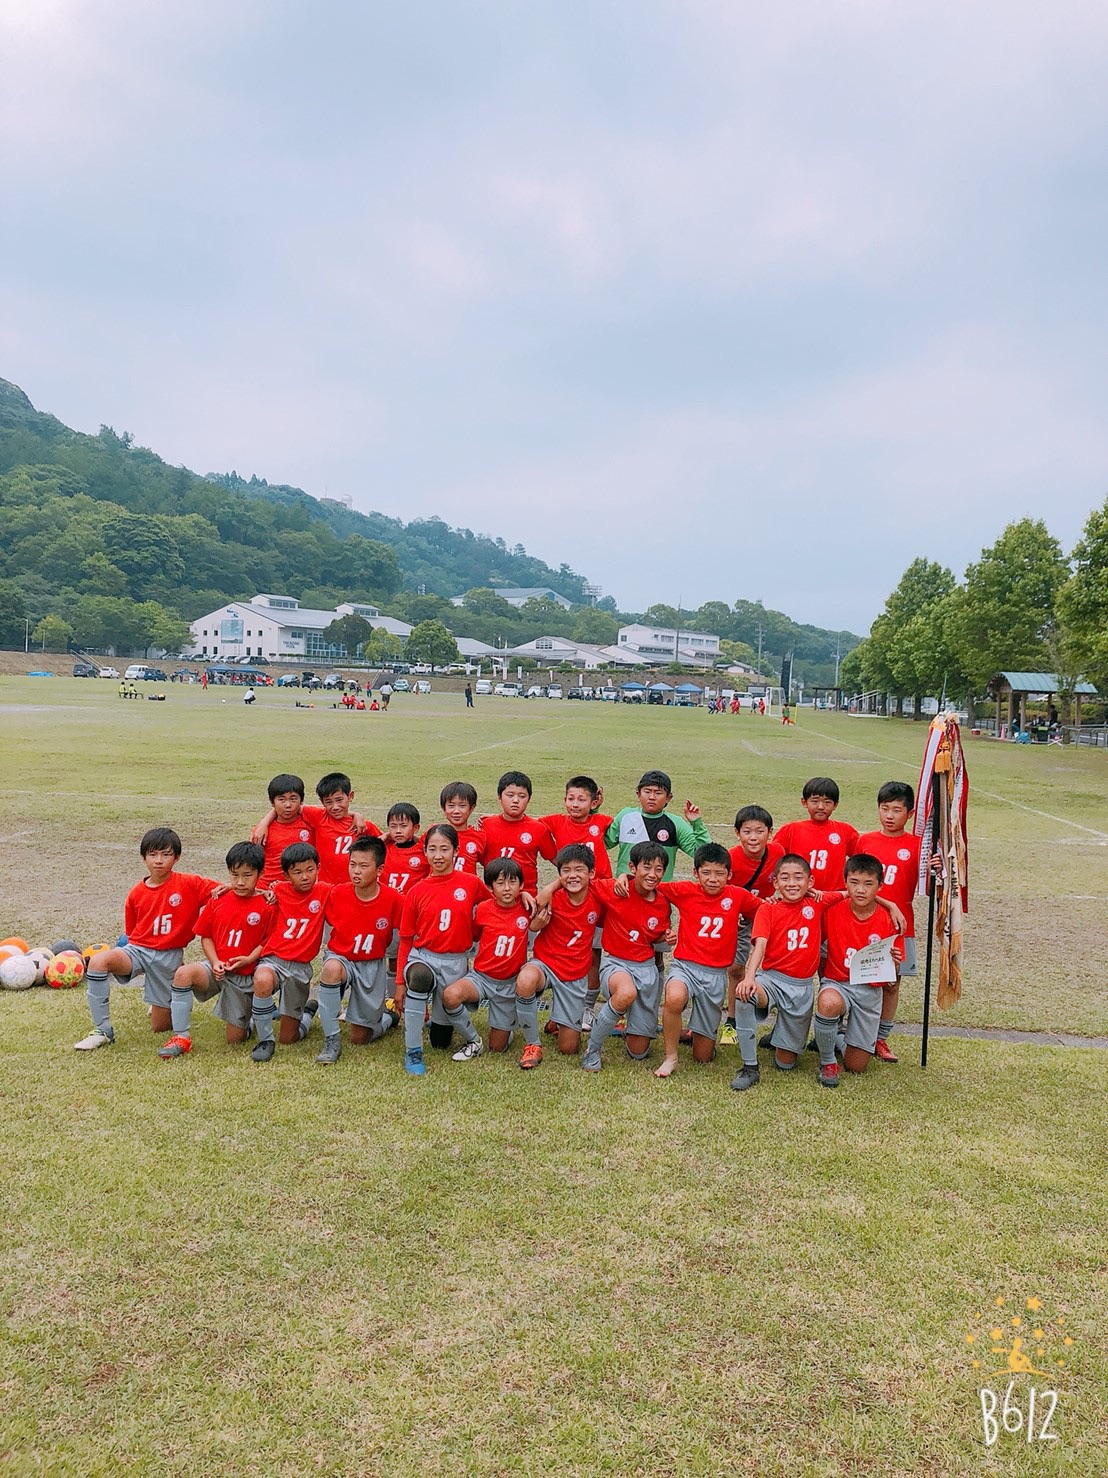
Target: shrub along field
[(219, 1267)]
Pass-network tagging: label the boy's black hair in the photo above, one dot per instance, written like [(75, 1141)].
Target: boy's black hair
[(793, 857), (514, 777), (503, 867), (403, 811), (298, 852), (246, 854), (753, 813), (584, 782), (897, 790), (458, 790), (656, 777), (711, 852), (282, 784), (333, 784), (648, 852), (369, 844), (441, 829), (820, 785), (575, 852), (865, 864), (160, 839)]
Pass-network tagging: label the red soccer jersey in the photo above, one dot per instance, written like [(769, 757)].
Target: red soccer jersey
[(565, 944), (845, 933), (824, 845), (792, 935), (236, 926), (756, 877), (472, 846), (165, 917), (502, 938), (404, 866), (632, 925), (588, 833), (708, 928), (282, 834), (297, 930), (332, 841), (438, 916), (526, 840), (899, 856), (361, 929)]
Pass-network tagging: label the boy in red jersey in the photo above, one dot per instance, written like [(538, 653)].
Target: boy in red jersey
[(159, 918), (752, 865), (458, 801), (848, 926), (363, 917), (897, 849), (824, 842), (436, 935), (291, 946), (563, 954), (334, 825), (633, 926), (583, 822), (232, 929), (405, 859), (289, 825), (500, 926), (515, 834), (708, 915)]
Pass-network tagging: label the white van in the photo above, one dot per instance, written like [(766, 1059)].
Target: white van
[(483, 687)]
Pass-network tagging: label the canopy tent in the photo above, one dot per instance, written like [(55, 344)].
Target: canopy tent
[(687, 688), (1014, 688), (661, 688), (633, 687)]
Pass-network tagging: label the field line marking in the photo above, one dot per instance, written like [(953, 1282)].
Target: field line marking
[(503, 743), (974, 789), (754, 749)]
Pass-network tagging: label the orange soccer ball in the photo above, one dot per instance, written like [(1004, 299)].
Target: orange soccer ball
[(20, 944)]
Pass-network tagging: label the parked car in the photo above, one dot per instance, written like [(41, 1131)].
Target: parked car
[(421, 667), (508, 690), (554, 690), (333, 680), (402, 685), (140, 672), (288, 680), (483, 688), (535, 691), (109, 671), (577, 693), (85, 669), (423, 686)]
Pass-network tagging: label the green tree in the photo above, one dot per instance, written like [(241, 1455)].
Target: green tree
[(1082, 605), (481, 601), (382, 646), (159, 627), (896, 659), (431, 642), (366, 564), (13, 610), (1009, 600), (349, 631), (595, 627), (52, 634), (662, 615), (144, 548)]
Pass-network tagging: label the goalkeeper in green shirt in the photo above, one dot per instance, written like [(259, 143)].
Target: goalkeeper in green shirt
[(650, 821)]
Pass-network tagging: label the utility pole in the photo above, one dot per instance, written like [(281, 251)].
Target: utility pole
[(677, 633), (26, 633), (759, 649), (837, 644)]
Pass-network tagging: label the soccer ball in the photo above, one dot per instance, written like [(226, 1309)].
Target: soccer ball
[(20, 944), (42, 958), (93, 949), (18, 973), (10, 952), (65, 971), (64, 947)]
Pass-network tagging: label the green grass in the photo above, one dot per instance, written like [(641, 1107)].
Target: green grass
[(217, 1268)]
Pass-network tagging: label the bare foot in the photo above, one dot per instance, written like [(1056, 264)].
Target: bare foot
[(665, 1067)]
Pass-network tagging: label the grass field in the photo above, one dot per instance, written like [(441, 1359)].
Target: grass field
[(213, 1267)]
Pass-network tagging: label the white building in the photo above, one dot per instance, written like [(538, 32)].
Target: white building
[(555, 649), (657, 644), (276, 627), (519, 595)]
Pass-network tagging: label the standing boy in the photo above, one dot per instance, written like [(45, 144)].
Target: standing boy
[(650, 821), (289, 826), (752, 865), (824, 842), (897, 849), (515, 834), (458, 800), (405, 859)]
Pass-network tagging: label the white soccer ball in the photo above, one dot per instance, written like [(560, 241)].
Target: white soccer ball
[(18, 973), (42, 958)]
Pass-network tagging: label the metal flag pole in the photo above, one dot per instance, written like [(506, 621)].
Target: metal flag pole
[(932, 885)]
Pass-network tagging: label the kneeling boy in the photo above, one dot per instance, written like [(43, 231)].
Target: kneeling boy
[(562, 954), (500, 926), (292, 945), (363, 916)]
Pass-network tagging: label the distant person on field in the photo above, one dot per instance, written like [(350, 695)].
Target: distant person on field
[(469, 695), (385, 691)]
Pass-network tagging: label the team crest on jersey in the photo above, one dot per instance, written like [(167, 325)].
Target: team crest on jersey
[(874, 939), (834, 838), (525, 837), (471, 847), (382, 924), (592, 917), (521, 921), (808, 912), (253, 918), (652, 922), (594, 831), (314, 906), (415, 861), (460, 894), (305, 835), (904, 854), (725, 903), (174, 899), (663, 836)]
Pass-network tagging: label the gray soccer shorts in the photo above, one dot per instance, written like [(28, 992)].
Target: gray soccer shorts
[(157, 968), (793, 1000), (742, 944), (568, 1005), (367, 987), (446, 969), (909, 965), (863, 1003), (707, 987), (294, 979), (642, 1014), (236, 1000), (498, 998)]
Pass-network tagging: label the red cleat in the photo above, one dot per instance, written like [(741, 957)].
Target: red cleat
[(532, 1055), (176, 1047), (884, 1051), (829, 1075)]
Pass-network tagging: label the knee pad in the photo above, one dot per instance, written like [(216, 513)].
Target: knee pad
[(419, 978), (440, 1034)]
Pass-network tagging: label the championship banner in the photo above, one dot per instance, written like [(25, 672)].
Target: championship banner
[(942, 799)]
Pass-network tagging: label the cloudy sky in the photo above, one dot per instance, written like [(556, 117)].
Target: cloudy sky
[(709, 299)]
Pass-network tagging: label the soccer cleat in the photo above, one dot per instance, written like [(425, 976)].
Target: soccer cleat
[(728, 1036), (305, 1026), (332, 1049), (176, 1047), (551, 1028), (884, 1051), (829, 1075), (264, 1051), (532, 1055), (766, 1039), (586, 1020), (747, 1077), (469, 1051), (413, 1062), (93, 1040), (390, 1005), (591, 1061)]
